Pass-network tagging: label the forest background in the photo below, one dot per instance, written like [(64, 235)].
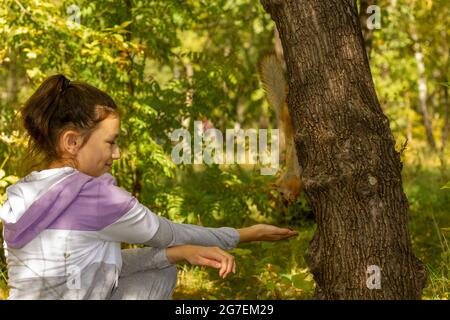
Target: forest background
[(170, 63)]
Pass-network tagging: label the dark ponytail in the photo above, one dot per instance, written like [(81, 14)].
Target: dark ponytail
[(57, 105)]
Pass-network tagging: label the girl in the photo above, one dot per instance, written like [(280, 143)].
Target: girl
[(63, 226)]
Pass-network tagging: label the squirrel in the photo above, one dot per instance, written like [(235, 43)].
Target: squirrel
[(274, 84)]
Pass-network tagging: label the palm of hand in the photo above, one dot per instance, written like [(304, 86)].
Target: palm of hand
[(265, 232)]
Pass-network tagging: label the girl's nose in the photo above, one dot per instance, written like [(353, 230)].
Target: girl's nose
[(116, 153)]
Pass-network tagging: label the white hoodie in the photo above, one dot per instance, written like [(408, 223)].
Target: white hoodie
[(63, 230)]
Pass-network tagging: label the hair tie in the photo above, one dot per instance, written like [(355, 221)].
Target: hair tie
[(65, 85)]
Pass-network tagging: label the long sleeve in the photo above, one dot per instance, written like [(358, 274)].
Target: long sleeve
[(137, 260), (171, 234), (139, 225)]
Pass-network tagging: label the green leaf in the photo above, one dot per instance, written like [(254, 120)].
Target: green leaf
[(446, 186), (11, 179), (241, 252), (298, 280), (126, 24)]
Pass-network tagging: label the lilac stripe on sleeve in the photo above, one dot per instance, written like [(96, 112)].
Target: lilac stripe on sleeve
[(79, 202), (44, 211)]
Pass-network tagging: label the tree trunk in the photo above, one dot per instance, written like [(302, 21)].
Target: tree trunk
[(137, 174), (409, 119), (423, 90), (350, 169), (445, 128)]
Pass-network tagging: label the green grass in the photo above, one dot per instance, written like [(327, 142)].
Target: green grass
[(429, 216), (265, 270), (3, 280), (280, 271)]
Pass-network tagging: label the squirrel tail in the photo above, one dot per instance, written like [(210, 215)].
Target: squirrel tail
[(273, 80)]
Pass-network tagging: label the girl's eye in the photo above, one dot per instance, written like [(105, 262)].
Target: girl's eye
[(112, 142)]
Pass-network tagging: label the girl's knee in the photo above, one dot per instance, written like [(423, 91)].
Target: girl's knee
[(168, 281), (155, 284), (172, 276)]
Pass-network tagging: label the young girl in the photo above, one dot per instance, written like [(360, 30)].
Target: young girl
[(63, 226)]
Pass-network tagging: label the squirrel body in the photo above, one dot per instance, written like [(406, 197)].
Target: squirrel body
[(274, 83)]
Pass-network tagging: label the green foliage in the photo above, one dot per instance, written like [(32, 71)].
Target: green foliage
[(140, 53), (264, 271), (429, 221), (409, 27), (5, 181), (280, 270), (170, 63), (213, 197)]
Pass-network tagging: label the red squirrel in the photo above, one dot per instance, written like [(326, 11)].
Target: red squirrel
[(274, 83)]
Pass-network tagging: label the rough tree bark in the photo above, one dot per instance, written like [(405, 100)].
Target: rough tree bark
[(350, 168)]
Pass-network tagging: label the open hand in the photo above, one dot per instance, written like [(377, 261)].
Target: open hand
[(265, 232)]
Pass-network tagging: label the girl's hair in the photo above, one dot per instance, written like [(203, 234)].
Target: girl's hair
[(59, 105)]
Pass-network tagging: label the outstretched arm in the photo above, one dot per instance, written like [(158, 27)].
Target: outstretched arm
[(171, 234), (217, 258), (127, 220), (140, 225)]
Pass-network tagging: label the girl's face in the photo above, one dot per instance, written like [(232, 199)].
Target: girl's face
[(97, 155)]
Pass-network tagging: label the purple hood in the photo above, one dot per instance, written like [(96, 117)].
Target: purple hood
[(76, 202)]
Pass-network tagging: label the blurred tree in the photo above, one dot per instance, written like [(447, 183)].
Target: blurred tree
[(416, 33), (166, 64)]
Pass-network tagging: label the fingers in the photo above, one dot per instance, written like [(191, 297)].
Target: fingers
[(273, 233), (285, 233), (216, 258), (208, 263), (288, 233), (227, 264)]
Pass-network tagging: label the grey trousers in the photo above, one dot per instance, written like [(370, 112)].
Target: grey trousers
[(141, 279), (147, 274)]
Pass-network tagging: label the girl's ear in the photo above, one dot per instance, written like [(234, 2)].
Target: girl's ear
[(70, 142)]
